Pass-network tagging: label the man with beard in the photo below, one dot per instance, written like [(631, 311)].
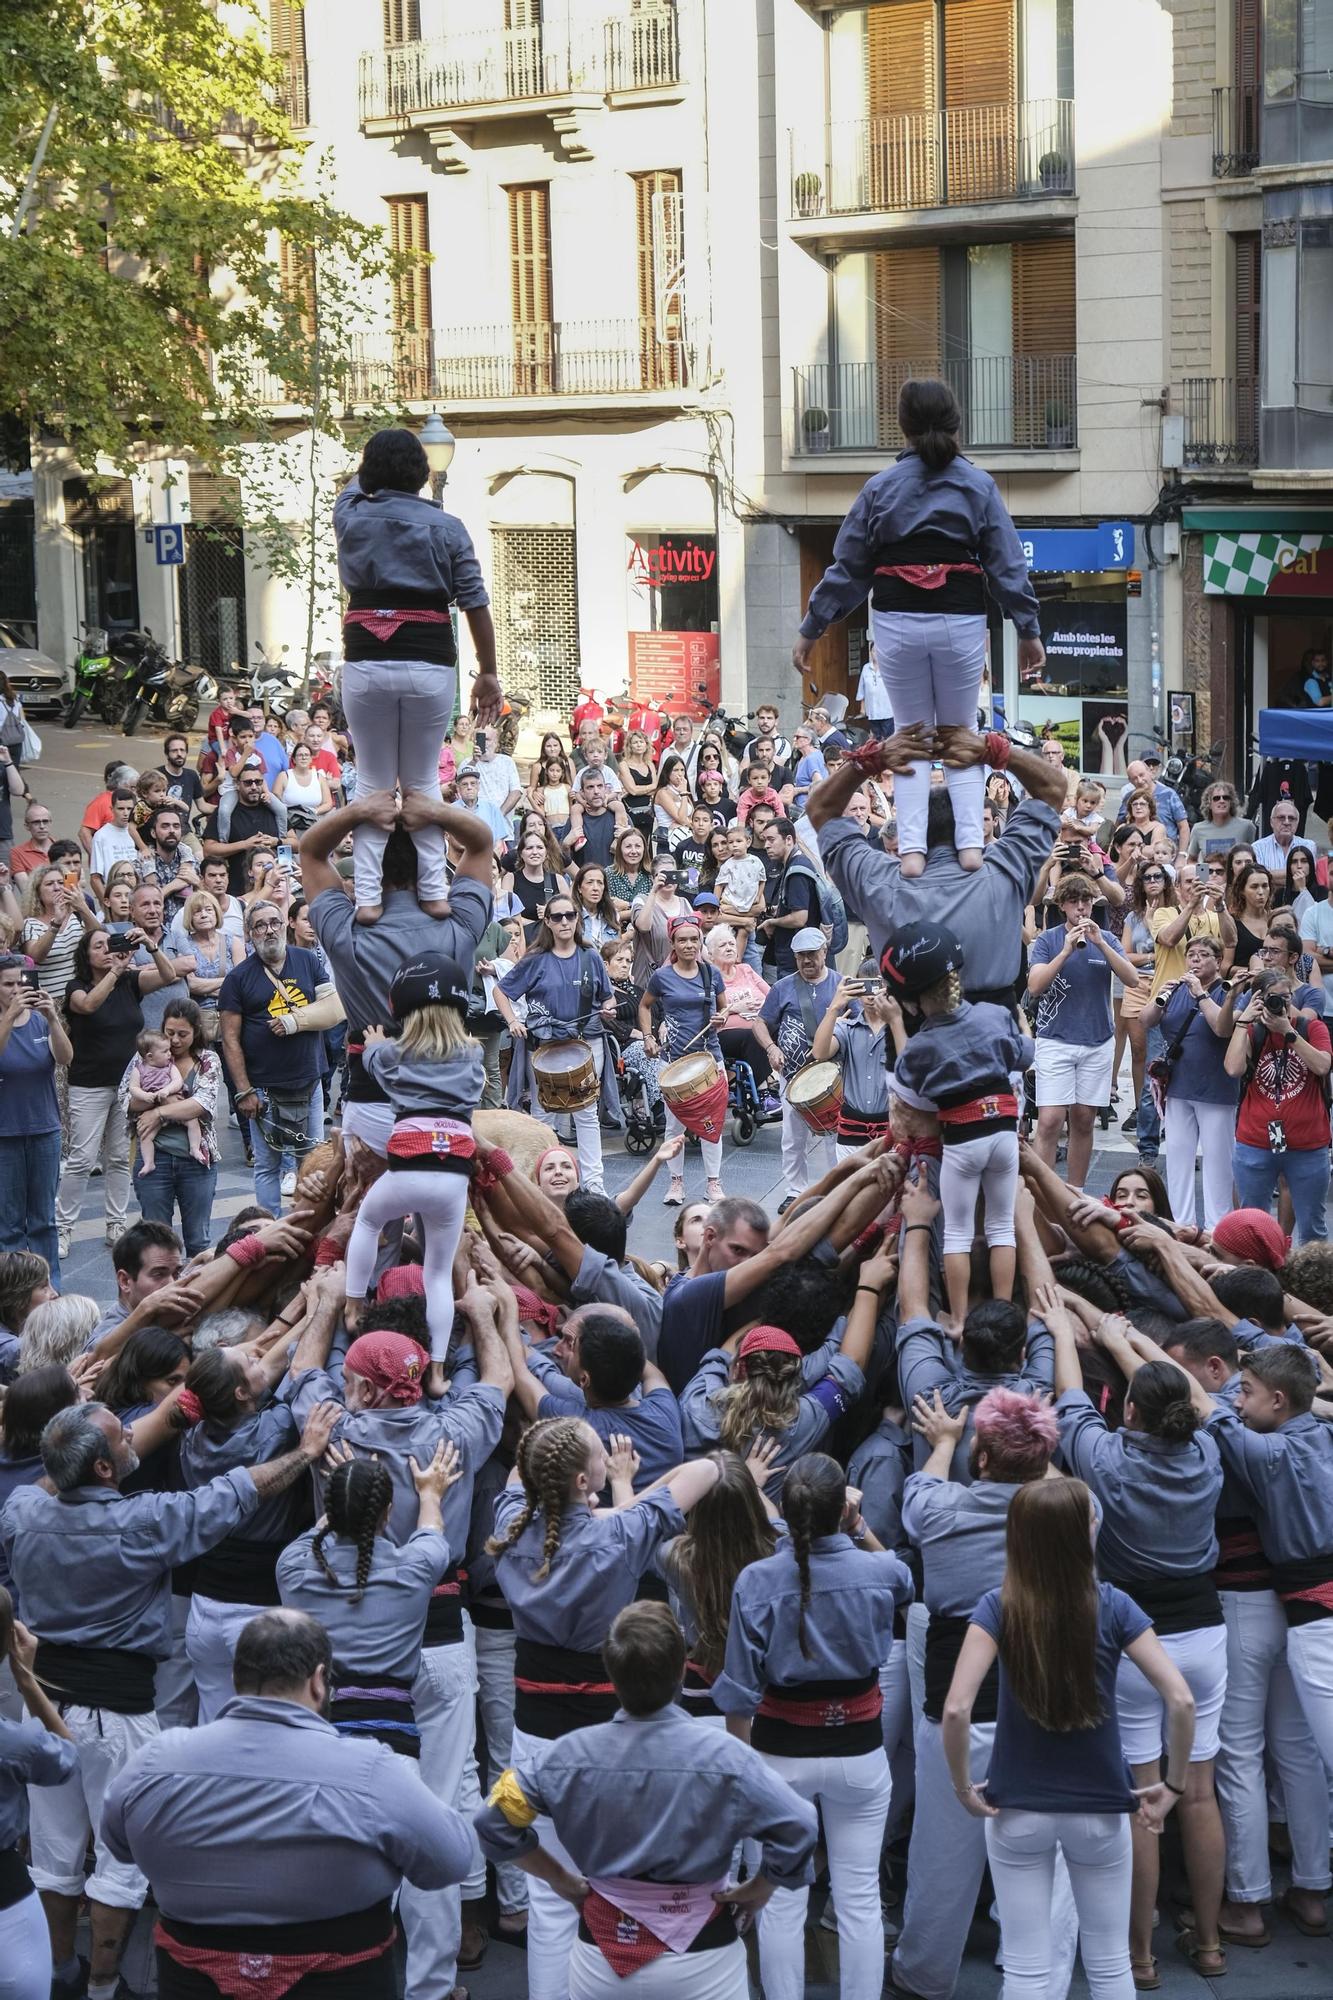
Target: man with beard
[(249, 820), (269, 1838), (92, 1569), (271, 1047), (167, 864)]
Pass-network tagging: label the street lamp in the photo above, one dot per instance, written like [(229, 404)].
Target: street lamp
[(439, 444)]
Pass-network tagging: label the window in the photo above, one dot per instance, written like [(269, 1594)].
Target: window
[(660, 267), (286, 38), (530, 288), (402, 22), (1315, 321), (409, 239), (1279, 328), (1298, 50), (536, 598)]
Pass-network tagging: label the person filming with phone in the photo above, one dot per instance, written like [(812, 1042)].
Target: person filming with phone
[(32, 1042), (1282, 1129)]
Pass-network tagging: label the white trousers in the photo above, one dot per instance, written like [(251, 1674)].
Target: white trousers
[(174, 1695), (685, 1975), (97, 1130), (495, 1680), (62, 1816), (444, 1696), (1310, 1657), (711, 1150), (553, 1924), (806, 1156), (1022, 1848), (25, 1951), (1262, 1716), (931, 664), (969, 1167), (398, 714), (1205, 1132), (853, 1797), (440, 1199), (210, 1640), (588, 1129)]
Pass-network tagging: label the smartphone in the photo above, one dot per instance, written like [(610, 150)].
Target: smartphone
[(121, 944), (286, 855), (29, 981)]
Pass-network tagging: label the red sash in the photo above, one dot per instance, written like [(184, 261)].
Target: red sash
[(261, 1975)]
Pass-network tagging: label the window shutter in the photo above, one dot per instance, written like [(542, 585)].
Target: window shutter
[(907, 328), (980, 92), (286, 38), (402, 22), (902, 165), (296, 277), (1045, 339), (1246, 282), (409, 231), (659, 251), (530, 287)]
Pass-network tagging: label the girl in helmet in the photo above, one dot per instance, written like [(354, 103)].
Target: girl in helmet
[(960, 1064), (433, 1075)]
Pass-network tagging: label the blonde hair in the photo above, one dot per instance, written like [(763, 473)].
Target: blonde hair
[(435, 1032), (766, 1398), (1089, 788), (551, 1453), (32, 902), (944, 997), (192, 904)]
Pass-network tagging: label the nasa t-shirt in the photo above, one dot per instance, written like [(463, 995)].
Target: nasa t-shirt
[(274, 1062)]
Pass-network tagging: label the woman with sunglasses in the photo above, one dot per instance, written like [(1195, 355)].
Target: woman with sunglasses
[(569, 998), (692, 999)]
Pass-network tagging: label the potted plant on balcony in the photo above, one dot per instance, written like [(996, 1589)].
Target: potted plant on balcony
[(809, 192), (816, 433), (1053, 169), (1059, 429)]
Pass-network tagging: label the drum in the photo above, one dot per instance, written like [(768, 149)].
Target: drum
[(695, 1089), (815, 1092), (565, 1075)]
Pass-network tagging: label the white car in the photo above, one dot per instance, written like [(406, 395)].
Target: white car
[(35, 678)]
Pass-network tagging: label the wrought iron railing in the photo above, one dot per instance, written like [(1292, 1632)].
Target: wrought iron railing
[(965, 154), (1235, 131), (1221, 420), (638, 51), (1010, 402)]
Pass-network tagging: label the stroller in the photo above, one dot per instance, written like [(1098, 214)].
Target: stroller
[(645, 1122)]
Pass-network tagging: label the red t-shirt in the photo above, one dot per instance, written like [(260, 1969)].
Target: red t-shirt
[(98, 812), (1284, 1090)]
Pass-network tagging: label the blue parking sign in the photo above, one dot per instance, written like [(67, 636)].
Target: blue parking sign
[(169, 543)]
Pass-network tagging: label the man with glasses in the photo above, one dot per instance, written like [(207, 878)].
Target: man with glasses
[(1069, 977), (35, 851), (1271, 852), (1281, 951), (251, 820), (271, 1047)]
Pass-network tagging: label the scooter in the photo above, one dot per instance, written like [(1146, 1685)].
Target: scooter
[(156, 687), (95, 680)]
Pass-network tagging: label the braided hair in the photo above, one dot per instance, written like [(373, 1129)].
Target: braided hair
[(813, 1497), (550, 1455), (354, 1503)]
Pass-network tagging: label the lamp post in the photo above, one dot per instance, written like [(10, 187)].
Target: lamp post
[(439, 445)]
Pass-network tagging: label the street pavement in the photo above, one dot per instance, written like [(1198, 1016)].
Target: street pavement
[(1292, 1968)]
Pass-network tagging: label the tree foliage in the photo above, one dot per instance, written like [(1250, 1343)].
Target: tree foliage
[(140, 298)]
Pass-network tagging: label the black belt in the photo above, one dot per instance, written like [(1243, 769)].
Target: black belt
[(15, 1881), (1174, 1603), (341, 1934), (96, 1677), (558, 1690), (240, 1572), (944, 1642)]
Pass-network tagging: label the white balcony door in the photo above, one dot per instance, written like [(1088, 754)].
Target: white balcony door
[(990, 317)]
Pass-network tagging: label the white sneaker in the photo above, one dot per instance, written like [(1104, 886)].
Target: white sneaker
[(66, 1238), (289, 1183)]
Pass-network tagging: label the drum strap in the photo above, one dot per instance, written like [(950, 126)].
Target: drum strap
[(810, 1013)]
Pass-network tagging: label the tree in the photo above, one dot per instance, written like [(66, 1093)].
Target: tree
[(139, 295)]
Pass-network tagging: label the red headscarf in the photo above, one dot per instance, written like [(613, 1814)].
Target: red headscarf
[(537, 1311), (402, 1281), (1252, 1235), (390, 1362), (762, 1340)]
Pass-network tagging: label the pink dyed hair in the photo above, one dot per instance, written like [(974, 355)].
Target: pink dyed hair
[(1018, 1433)]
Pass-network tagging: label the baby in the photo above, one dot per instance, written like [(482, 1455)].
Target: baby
[(154, 1078)]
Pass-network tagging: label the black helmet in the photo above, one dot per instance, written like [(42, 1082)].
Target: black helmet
[(428, 981), (917, 956)]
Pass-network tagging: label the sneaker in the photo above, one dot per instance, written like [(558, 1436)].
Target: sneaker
[(114, 1235), (1130, 1124), (64, 1244), (770, 1107), (675, 1194), (289, 1183), (715, 1191), (789, 1201)]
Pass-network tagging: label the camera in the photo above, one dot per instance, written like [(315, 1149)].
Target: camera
[(1275, 1003)]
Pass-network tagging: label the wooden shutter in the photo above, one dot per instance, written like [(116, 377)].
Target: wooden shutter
[(907, 328), (1247, 75), (409, 237), (296, 277), (902, 91), (1045, 339), (286, 38), (402, 22), (1246, 280), (661, 346), (530, 288), (980, 98)]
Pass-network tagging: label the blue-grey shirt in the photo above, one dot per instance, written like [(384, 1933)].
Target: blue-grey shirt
[(268, 1816), (854, 1595), (406, 542), (1286, 1477), (878, 1469), (820, 1406), (960, 1531), (595, 1571), (975, 1048), (685, 1797), (381, 1634), (926, 1363), (93, 1567), (1159, 1500), (417, 1087), (205, 1452), (959, 502), (29, 1755)]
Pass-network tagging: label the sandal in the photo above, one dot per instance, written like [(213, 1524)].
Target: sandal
[(1145, 1975), (675, 1194), (1189, 1948), (1247, 1940), (1303, 1924)]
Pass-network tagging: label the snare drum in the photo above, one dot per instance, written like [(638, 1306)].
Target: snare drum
[(815, 1092), (566, 1076)]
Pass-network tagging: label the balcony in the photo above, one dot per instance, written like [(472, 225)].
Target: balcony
[(966, 156), (1010, 403), (1221, 422), (562, 362), (1235, 132), (541, 69)]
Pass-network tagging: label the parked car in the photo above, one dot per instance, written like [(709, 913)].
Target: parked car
[(35, 678)]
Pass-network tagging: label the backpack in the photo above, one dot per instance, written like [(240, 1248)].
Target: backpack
[(826, 904)]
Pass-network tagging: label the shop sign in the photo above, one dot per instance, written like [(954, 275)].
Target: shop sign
[(1110, 545), (1268, 565), (679, 670), (671, 559)]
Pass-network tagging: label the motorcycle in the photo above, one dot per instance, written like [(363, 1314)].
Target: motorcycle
[(95, 680), (156, 687), (272, 682)]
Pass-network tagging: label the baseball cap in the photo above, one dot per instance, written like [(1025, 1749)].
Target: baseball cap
[(809, 939), (708, 901), (430, 980), (1152, 756), (917, 956)]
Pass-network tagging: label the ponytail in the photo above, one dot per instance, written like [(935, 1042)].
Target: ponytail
[(813, 1497), (550, 1454), (1160, 1394), (930, 420)]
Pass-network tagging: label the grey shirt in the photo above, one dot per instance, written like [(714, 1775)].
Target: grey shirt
[(406, 542), (960, 1532), (925, 1363), (381, 1634), (268, 1816), (418, 1088), (600, 1279), (364, 957), (1159, 1500), (29, 1755), (984, 907)]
